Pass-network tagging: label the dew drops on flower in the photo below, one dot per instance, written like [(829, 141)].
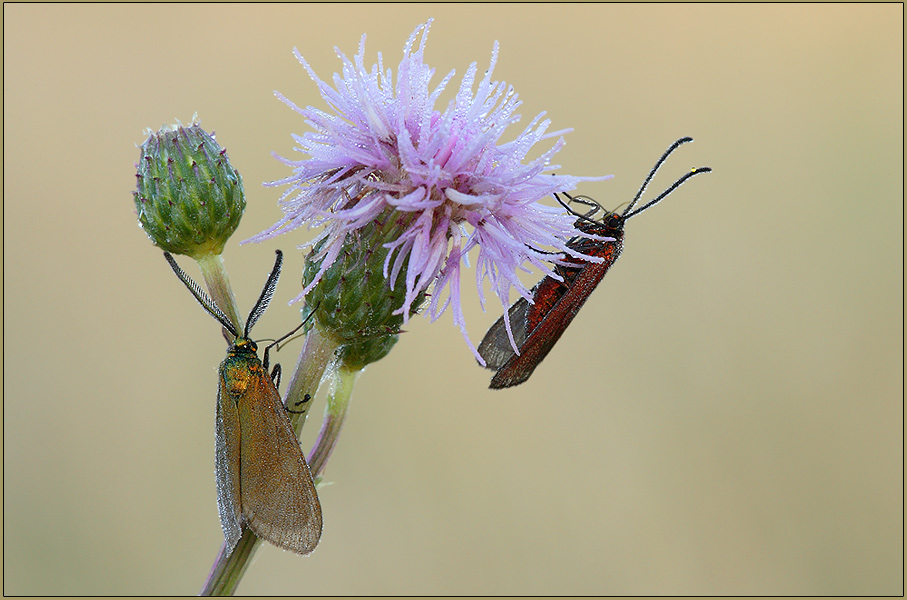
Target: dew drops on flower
[(381, 146)]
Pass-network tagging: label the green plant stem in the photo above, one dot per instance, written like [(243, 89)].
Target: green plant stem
[(334, 415), (229, 567), (318, 357), (218, 283)]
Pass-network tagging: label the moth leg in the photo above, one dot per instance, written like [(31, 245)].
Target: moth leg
[(306, 398), (275, 375)]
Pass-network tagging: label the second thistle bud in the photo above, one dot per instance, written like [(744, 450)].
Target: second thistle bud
[(188, 197), (354, 302)]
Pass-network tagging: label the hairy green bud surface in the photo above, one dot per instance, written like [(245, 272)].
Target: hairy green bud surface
[(188, 197), (353, 301)]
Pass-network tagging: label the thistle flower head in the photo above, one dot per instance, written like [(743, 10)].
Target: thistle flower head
[(382, 153), (189, 198)]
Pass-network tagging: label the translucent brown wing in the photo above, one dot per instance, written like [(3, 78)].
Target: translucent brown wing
[(226, 465), (278, 496), (495, 347)]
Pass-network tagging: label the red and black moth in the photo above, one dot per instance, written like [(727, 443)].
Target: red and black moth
[(537, 326)]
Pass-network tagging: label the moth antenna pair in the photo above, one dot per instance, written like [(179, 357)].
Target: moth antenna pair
[(629, 212), (208, 304)]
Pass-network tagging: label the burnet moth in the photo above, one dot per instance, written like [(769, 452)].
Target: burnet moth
[(537, 326), (262, 476)]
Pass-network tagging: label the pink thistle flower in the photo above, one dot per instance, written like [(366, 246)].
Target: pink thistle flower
[(383, 147)]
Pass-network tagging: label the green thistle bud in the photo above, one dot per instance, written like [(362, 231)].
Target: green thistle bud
[(354, 300), (188, 197)]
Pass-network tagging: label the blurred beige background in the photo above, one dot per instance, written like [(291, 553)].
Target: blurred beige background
[(724, 416)]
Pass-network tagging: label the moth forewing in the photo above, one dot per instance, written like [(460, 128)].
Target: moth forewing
[(495, 347), (226, 461), (549, 317), (277, 494)]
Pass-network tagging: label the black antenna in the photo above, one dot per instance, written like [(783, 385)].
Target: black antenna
[(654, 170), (674, 186), (266, 294), (629, 212), (201, 296)]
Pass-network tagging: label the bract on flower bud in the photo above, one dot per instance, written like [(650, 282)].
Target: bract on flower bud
[(353, 300), (188, 197)]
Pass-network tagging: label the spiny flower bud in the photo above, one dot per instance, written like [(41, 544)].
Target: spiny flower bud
[(353, 301), (188, 197)]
